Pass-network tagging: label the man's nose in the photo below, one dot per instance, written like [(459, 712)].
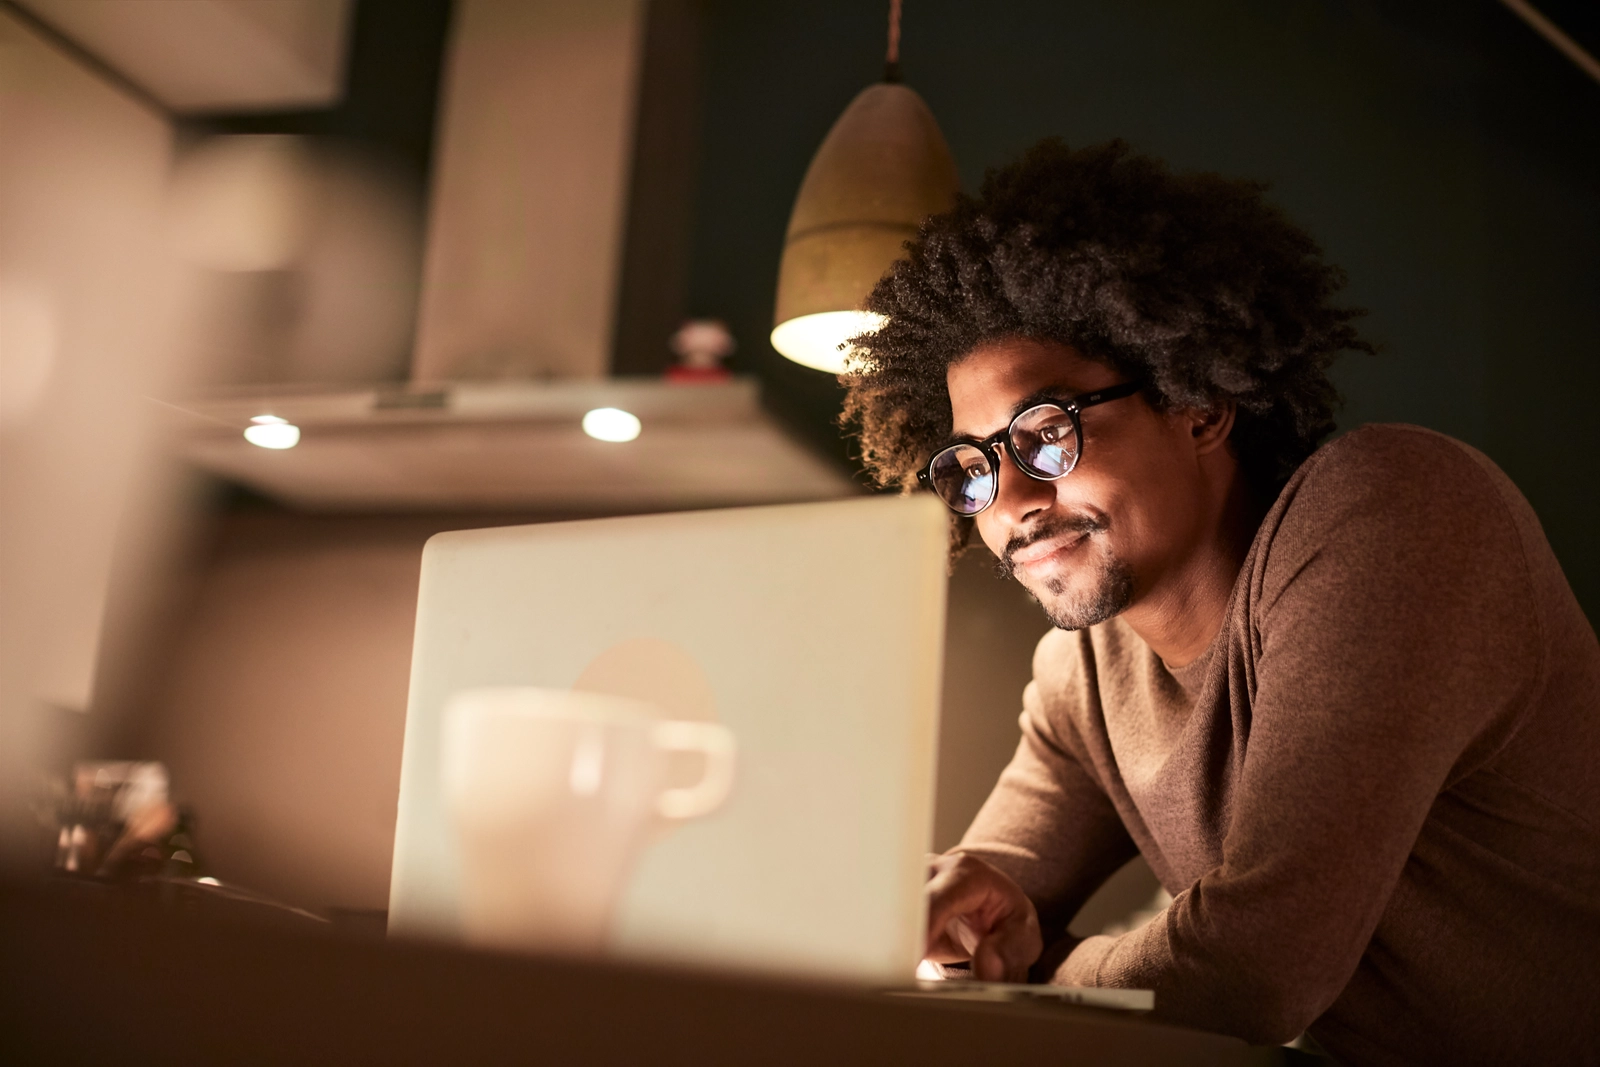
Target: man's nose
[(1017, 495)]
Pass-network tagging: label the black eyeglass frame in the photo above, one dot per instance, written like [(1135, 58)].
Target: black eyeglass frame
[(989, 446)]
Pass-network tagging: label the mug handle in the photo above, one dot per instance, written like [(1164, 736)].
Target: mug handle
[(715, 742)]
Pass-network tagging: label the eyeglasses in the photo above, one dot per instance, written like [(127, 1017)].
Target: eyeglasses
[(1045, 442)]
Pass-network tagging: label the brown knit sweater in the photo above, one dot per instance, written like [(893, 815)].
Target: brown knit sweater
[(1375, 797)]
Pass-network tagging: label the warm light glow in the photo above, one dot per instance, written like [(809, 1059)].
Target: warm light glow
[(820, 341), (270, 431), (611, 424)]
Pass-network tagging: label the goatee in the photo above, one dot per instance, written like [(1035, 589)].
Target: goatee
[(1109, 593)]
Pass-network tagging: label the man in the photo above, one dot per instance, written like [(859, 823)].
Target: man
[(1341, 699)]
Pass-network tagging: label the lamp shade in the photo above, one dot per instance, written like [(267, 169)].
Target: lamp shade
[(880, 171)]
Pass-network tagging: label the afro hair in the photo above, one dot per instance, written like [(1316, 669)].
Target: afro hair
[(1189, 283)]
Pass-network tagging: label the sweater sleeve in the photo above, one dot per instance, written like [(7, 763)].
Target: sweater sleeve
[(1396, 646), (1047, 823)]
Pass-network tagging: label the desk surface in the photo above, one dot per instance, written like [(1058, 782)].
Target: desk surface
[(114, 980)]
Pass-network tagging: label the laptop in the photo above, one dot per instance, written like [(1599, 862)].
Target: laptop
[(812, 632)]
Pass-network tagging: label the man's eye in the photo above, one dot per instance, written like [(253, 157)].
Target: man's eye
[(978, 470), (1050, 435)]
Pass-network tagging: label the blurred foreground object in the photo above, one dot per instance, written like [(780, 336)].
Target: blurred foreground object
[(90, 323), (79, 974), (553, 796), (882, 169)]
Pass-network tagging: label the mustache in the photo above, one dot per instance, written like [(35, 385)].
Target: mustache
[(1083, 525)]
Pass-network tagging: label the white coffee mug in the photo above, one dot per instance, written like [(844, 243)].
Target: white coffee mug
[(553, 794)]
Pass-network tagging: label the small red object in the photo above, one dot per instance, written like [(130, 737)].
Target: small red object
[(700, 345)]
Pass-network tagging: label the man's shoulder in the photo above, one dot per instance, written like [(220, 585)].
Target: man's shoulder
[(1384, 451), (1402, 516), (1395, 474)]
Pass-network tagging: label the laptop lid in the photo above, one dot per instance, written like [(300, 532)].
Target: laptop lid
[(813, 632)]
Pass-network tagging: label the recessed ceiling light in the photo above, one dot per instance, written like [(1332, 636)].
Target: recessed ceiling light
[(611, 424), (270, 431)]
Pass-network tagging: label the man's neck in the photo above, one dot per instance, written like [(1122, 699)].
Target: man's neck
[(1180, 615)]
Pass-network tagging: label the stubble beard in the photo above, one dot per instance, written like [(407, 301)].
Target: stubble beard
[(1108, 592)]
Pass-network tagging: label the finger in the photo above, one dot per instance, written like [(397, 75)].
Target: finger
[(939, 946), (988, 965), (1007, 951), (955, 891), (955, 925), (962, 932), (945, 950), (966, 897), (956, 943)]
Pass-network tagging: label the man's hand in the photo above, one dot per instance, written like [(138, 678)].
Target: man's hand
[(977, 913)]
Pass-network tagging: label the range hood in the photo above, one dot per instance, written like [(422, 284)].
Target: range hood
[(511, 446), (516, 313)]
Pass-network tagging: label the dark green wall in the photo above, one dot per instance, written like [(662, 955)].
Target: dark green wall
[(1445, 156)]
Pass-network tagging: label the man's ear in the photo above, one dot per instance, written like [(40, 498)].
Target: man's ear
[(1211, 426)]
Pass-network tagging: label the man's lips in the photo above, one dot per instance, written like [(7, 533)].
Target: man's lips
[(1046, 549), (1046, 546)]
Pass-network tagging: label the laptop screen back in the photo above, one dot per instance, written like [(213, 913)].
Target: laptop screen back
[(812, 632)]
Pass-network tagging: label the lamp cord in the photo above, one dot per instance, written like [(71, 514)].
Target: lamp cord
[(891, 66), (1552, 33)]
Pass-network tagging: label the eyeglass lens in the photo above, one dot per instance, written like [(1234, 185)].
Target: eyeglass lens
[(1044, 443), (964, 478)]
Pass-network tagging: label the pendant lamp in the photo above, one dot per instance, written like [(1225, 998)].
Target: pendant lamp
[(883, 167)]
